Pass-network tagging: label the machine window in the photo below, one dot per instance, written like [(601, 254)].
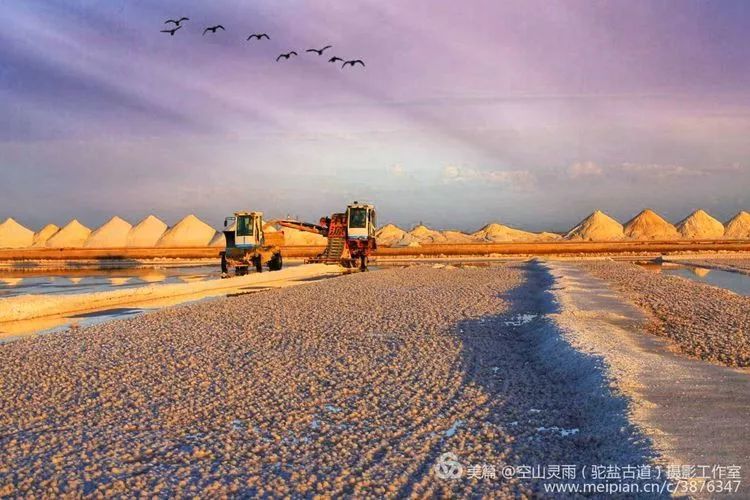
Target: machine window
[(244, 226), (357, 218)]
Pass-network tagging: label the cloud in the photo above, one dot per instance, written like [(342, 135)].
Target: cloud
[(518, 179), (643, 172), (584, 169), (658, 171)]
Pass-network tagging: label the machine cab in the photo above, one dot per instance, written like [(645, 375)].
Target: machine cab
[(244, 230), (360, 221)]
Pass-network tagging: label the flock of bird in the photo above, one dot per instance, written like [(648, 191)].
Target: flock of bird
[(260, 36)]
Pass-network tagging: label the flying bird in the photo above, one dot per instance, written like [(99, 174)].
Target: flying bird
[(171, 32), (334, 59), (353, 62), (286, 56), (213, 29), (258, 36), (319, 51), (177, 21)]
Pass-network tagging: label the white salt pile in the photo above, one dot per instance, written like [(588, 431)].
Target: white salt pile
[(146, 233), (545, 236), (500, 233), (218, 240), (189, 232), (112, 234), (457, 237), (738, 227), (389, 235), (45, 233), (700, 226), (597, 227), (295, 237), (407, 241), (14, 235), (423, 234), (648, 225), (73, 235)]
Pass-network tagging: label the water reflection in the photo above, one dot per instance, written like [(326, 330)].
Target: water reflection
[(11, 281), (118, 280), (153, 276), (701, 272), (735, 282), (30, 281)]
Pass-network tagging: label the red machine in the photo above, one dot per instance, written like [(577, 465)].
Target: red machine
[(351, 235)]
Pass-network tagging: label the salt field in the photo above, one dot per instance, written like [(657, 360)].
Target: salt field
[(375, 250), (132, 292)]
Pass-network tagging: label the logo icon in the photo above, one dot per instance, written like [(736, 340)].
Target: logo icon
[(448, 466)]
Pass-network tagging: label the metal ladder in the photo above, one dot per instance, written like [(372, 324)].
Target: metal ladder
[(334, 249)]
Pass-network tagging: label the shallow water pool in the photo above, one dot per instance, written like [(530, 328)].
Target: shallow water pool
[(21, 282), (734, 282)]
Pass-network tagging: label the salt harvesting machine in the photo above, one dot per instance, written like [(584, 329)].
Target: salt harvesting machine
[(248, 244), (351, 239)]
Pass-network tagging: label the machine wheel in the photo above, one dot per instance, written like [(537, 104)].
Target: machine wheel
[(363, 263), (240, 270), (258, 264), (224, 267), (276, 262)]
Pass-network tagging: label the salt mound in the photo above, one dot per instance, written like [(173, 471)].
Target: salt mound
[(457, 237), (596, 227), (389, 235), (545, 236), (738, 227), (41, 236), (700, 226), (498, 232), (112, 234), (393, 236), (189, 232), (73, 235), (295, 237), (407, 241), (146, 233), (423, 234), (14, 235), (648, 225), (218, 240)]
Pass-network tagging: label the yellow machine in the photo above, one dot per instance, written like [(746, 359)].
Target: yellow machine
[(247, 244)]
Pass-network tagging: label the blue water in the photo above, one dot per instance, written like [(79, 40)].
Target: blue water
[(735, 282)]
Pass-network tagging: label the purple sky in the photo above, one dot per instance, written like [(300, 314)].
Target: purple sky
[(530, 112)]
